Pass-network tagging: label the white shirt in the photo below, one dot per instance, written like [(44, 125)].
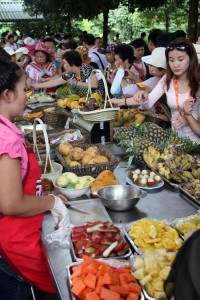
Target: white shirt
[(94, 58)]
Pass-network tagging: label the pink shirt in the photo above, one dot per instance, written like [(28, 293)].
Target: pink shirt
[(160, 89), (12, 142)]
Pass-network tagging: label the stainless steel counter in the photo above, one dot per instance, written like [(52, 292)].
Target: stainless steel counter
[(164, 203)]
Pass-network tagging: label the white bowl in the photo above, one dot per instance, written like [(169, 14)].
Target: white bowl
[(73, 193)]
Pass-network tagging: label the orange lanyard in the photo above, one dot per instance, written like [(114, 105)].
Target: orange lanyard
[(176, 93)]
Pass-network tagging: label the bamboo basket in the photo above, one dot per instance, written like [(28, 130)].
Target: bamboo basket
[(99, 115), (90, 169), (56, 118)]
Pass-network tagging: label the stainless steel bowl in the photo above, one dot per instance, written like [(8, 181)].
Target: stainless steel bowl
[(120, 197)]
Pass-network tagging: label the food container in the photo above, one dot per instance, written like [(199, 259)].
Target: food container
[(69, 283), (85, 239), (73, 193), (90, 169), (120, 197)]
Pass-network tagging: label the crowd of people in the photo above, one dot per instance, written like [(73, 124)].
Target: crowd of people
[(161, 77)]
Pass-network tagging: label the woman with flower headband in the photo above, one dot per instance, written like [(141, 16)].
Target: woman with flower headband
[(41, 67), (179, 84)]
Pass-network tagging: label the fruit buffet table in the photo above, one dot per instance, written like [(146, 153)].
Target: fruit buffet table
[(166, 202)]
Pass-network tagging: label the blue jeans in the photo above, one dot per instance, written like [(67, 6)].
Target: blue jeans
[(12, 286)]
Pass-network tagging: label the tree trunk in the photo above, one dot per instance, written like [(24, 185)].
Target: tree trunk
[(105, 28), (69, 24), (193, 20)]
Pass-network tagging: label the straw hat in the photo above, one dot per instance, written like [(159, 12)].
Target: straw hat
[(157, 58)]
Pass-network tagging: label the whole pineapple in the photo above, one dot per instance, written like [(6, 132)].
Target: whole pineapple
[(137, 146), (153, 132)]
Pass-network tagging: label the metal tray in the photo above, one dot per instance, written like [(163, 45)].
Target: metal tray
[(189, 195), (95, 208), (182, 220), (140, 251), (133, 246), (68, 269), (127, 255)]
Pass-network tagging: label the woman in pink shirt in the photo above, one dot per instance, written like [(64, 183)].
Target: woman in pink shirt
[(21, 205), (179, 84)]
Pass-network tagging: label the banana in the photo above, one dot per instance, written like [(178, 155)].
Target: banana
[(188, 175), (177, 161), (167, 173), (195, 173), (162, 171)]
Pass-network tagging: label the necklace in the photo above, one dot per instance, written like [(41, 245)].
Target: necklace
[(176, 93)]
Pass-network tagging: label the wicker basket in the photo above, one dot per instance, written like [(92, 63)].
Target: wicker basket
[(93, 169), (55, 168), (105, 114), (56, 118), (53, 134)]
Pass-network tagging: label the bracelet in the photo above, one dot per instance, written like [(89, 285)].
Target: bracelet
[(125, 103), (157, 116)]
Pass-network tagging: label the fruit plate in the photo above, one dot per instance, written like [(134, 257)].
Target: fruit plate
[(69, 272), (156, 186), (101, 237)]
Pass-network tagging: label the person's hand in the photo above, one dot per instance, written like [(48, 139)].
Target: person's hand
[(60, 212), (140, 96), (118, 102), (110, 76), (178, 122), (188, 106), (129, 74)]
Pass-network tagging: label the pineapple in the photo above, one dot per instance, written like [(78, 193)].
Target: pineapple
[(153, 132), (137, 146)]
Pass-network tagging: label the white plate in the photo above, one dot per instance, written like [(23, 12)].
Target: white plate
[(159, 185)]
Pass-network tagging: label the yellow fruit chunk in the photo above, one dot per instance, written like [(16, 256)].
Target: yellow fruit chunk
[(34, 115)]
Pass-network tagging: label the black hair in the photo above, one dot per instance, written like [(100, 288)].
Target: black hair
[(125, 52), (71, 45), (88, 39), (153, 35), (143, 34), (48, 39), (4, 53), (137, 43), (163, 39), (73, 58), (179, 33), (10, 36), (10, 74)]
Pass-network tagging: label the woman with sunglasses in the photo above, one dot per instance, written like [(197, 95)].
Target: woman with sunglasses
[(179, 84)]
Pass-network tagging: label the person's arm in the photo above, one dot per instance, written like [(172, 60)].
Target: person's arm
[(153, 114), (12, 199), (49, 78), (194, 123), (51, 83), (94, 82), (148, 100)]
